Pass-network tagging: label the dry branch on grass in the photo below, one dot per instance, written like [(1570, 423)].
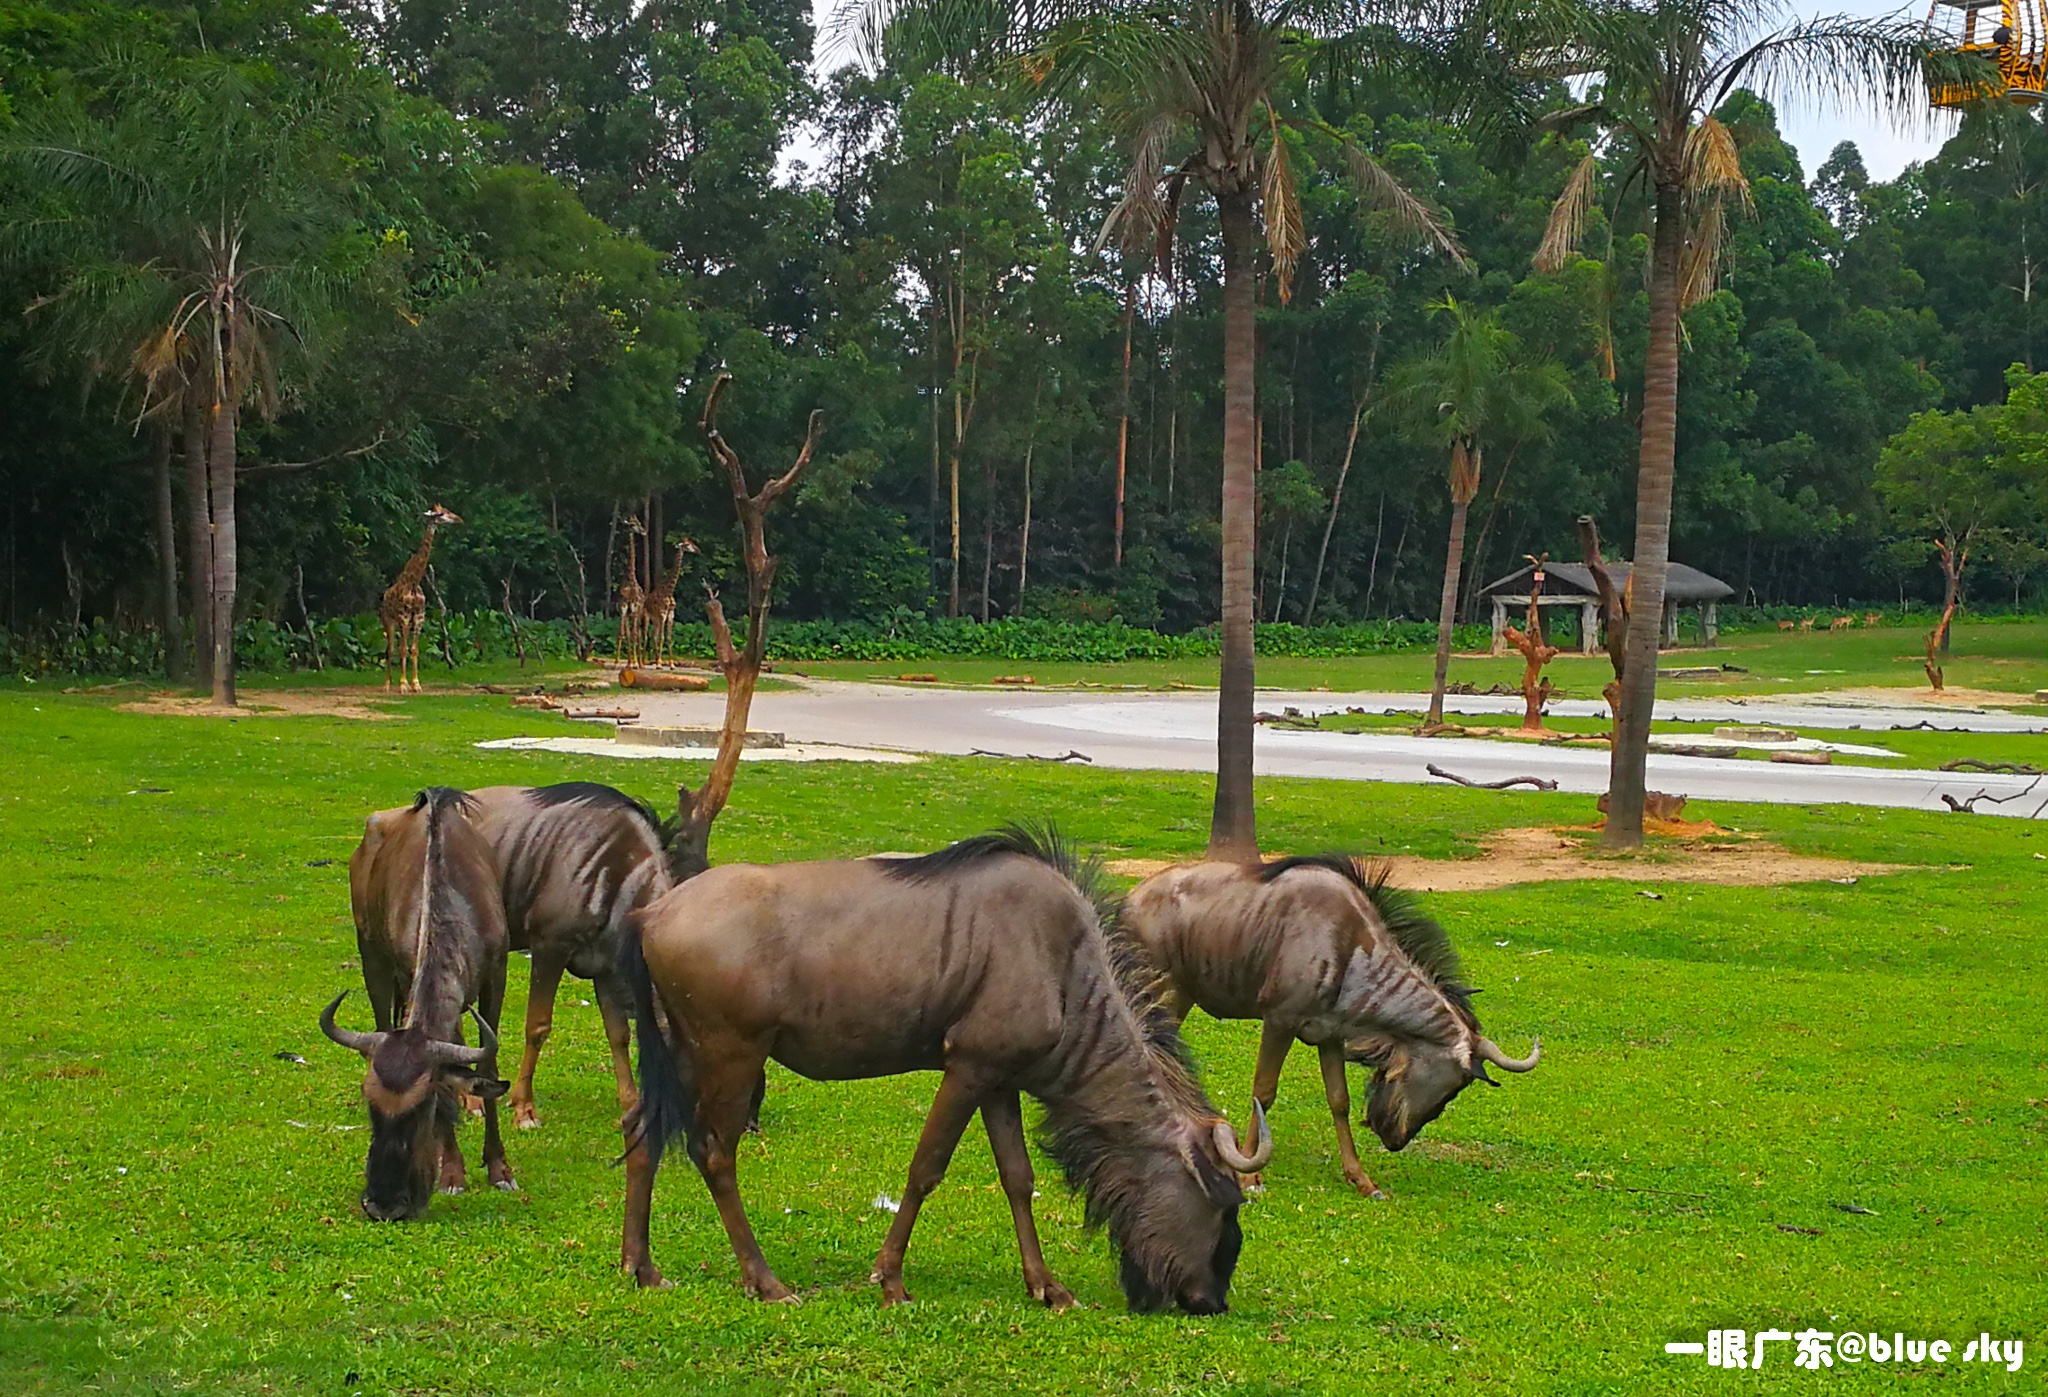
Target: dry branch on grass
[(1540, 783)]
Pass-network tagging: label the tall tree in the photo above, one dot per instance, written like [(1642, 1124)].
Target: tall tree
[(198, 208), (1661, 69), (1201, 90), (1479, 388)]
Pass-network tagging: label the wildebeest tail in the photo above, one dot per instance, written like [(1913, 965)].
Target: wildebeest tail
[(668, 1095)]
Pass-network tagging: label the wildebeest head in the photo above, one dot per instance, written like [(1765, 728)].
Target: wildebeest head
[(1413, 1080), (1175, 1227), (409, 1078)]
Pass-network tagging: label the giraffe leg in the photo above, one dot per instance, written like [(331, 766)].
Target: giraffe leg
[(388, 638)]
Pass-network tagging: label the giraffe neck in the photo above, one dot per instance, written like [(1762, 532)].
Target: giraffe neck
[(416, 566)]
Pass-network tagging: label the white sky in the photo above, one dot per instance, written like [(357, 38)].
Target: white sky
[(1813, 130)]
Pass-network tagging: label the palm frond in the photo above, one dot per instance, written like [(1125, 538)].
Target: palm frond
[(1699, 266), (1285, 237), (1379, 188), (1134, 221), (1712, 163), (1879, 65), (1567, 222)]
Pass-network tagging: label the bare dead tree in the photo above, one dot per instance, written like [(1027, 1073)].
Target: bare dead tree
[(1952, 564), (1613, 610), (1536, 689), (696, 810)]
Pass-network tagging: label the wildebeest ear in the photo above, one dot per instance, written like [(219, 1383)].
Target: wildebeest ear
[(481, 1087), (1220, 1188)]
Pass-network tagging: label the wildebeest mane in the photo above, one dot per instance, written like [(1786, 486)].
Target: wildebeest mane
[(595, 793), (1420, 936)]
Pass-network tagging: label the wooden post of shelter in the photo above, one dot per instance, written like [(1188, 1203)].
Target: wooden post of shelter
[(696, 810)]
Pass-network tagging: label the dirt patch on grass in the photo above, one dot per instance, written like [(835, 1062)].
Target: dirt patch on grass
[(1546, 855), (1951, 697), (269, 703)]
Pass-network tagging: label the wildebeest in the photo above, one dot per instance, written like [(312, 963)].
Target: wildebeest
[(986, 961), (431, 933), (1323, 951), (574, 862)]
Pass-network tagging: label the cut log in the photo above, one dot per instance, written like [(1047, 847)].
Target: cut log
[(656, 679), (1804, 758)]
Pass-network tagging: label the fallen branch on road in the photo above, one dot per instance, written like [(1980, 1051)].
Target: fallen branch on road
[(2000, 768), (1070, 756), (1969, 807), (1536, 781)]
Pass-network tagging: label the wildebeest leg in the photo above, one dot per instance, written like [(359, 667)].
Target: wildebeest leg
[(634, 1257), (1339, 1092), (540, 1022), (618, 1031), (724, 1079), (490, 1007), (453, 1174), (1005, 1121), (1275, 1043), (952, 1109)]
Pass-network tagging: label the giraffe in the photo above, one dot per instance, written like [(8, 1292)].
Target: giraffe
[(632, 597), (404, 608), (661, 606)]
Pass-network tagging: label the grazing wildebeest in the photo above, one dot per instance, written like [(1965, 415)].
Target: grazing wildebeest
[(1322, 951), (986, 961), (574, 861), (431, 933)]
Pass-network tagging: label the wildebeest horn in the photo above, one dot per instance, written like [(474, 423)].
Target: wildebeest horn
[(1489, 1050), (364, 1043), (455, 1055), (486, 1036), (1262, 1143)]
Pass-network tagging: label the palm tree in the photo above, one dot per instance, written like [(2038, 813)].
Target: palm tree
[(189, 227), (1479, 387), (1659, 69), (1200, 90)]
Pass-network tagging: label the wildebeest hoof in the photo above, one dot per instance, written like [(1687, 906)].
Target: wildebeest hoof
[(771, 1290), (1377, 1196), (526, 1117), (893, 1294), (1054, 1297), (450, 1189), (507, 1186)]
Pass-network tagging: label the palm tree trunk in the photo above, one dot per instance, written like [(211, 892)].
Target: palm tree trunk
[(221, 477), (167, 553), (198, 540), (1233, 823), (1315, 586), (1123, 423), (1627, 776), (1447, 611)]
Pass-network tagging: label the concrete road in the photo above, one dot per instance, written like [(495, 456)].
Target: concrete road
[(1177, 732)]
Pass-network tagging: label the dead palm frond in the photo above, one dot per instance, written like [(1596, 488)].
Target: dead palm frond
[(1567, 223)]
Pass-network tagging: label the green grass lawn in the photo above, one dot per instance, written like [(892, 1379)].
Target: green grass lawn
[(2004, 657), (1722, 1064)]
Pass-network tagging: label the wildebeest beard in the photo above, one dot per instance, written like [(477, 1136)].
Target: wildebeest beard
[(1170, 1211)]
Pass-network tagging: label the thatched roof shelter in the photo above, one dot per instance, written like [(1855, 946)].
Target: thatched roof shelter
[(1572, 585)]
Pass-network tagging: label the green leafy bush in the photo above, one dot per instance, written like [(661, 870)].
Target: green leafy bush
[(357, 642)]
